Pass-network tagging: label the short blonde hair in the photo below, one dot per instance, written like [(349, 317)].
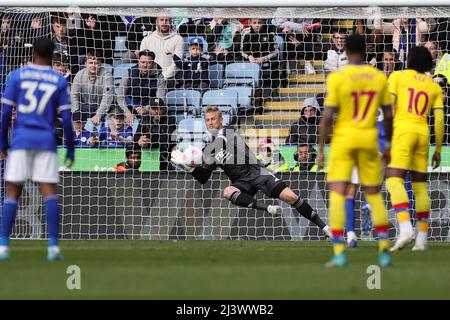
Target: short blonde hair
[(210, 109)]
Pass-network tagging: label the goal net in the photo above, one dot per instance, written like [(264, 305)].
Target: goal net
[(142, 77)]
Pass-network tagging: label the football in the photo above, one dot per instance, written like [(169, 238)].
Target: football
[(193, 156)]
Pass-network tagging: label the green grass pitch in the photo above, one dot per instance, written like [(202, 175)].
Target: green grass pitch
[(219, 270)]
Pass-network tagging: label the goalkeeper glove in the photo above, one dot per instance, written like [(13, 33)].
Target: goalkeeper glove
[(178, 159)]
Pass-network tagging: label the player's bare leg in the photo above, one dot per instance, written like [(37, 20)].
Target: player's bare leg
[(395, 184), (380, 223), (48, 191), (422, 206), (13, 192), (305, 210)]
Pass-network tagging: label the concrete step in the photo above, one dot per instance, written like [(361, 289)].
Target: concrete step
[(278, 116), (316, 63), (283, 106), (307, 78), (300, 91)]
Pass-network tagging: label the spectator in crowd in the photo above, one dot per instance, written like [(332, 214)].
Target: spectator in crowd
[(432, 46), (271, 157), (220, 35), (194, 68), (142, 83), (59, 35), (302, 46), (22, 29), (6, 36), (93, 89), (299, 39), (115, 134), (164, 43), (258, 45), (389, 63), (5, 29), (83, 139), (406, 33), (305, 158), (336, 56), (306, 130), (133, 155), (60, 63), (156, 131)]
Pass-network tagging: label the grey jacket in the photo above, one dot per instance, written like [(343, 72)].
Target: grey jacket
[(99, 91)]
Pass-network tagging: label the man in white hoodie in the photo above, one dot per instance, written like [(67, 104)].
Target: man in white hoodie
[(164, 43), (336, 56)]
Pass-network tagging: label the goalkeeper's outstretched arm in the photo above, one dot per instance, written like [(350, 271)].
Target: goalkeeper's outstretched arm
[(202, 174)]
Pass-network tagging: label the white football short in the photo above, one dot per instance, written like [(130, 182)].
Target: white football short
[(355, 176), (37, 165)]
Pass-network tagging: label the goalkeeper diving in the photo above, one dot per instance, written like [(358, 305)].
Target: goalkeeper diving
[(229, 151)]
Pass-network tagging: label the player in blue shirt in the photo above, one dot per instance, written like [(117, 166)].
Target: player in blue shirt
[(38, 93)]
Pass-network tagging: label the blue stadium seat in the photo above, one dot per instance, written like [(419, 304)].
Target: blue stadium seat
[(216, 76), (178, 100), (281, 47), (245, 95), (242, 73), (225, 100), (120, 43), (192, 131), (120, 71), (186, 45)]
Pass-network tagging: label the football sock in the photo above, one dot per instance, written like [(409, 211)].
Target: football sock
[(337, 221), (379, 219), (9, 215), (422, 210), (52, 214), (400, 203), (244, 200), (309, 213)]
